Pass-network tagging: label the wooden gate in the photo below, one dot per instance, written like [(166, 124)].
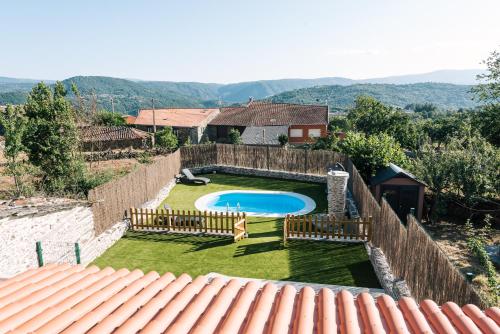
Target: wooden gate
[(187, 221)]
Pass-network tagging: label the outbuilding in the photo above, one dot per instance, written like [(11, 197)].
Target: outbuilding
[(402, 190)]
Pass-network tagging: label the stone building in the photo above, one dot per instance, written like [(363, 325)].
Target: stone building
[(186, 122)]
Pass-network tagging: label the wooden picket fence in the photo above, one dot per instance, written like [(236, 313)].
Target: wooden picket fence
[(326, 227), (228, 224)]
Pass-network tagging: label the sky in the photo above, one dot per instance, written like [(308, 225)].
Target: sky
[(232, 41)]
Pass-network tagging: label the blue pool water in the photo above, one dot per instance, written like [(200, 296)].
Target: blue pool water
[(257, 203)]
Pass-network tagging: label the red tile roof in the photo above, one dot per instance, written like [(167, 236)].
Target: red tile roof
[(129, 119), (260, 113), (74, 299), (184, 118), (93, 133)]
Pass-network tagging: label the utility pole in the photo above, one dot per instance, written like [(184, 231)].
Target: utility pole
[(154, 121), (112, 104)]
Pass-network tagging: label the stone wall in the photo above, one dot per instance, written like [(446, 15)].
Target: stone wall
[(58, 227), (396, 288), (260, 172)]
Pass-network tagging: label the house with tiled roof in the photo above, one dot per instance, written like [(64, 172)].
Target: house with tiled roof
[(129, 119), (75, 299), (301, 123), (186, 122), (102, 138)]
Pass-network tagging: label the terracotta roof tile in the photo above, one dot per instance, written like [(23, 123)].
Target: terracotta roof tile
[(184, 118), (74, 299), (104, 133), (271, 114)]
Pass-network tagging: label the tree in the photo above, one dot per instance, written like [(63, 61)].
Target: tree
[(108, 118), (426, 110), (339, 123), (476, 173), (234, 136), (465, 167), (488, 90), (487, 121), (51, 140), (373, 117), (13, 122), (434, 167), (443, 128), (165, 138), (371, 152), (283, 139)]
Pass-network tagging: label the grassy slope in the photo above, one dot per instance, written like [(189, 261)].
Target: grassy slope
[(262, 255)]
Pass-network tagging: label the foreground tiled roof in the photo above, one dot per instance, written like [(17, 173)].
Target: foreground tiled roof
[(184, 118), (260, 113), (74, 299), (106, 133)]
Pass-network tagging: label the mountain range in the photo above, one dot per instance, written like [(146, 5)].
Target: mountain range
[(449, 89)]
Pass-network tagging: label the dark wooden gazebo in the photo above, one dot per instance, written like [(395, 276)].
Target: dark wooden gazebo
[(402, 190)]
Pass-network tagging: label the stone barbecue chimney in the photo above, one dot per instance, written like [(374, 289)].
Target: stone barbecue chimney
[(337, 189)]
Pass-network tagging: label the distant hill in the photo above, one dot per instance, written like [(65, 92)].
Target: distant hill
[(446, 96), (130, 95), (457, 77), (239, 92)]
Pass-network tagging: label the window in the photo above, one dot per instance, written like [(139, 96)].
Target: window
[(296, 133), (314, 133)]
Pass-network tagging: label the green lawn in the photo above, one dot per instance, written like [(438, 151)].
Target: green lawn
[(262, 255)]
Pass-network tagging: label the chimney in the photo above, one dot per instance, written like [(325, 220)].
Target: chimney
[(250, 100), (337, 191)]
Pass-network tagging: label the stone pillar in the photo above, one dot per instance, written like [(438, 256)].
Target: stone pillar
[(337, 189)]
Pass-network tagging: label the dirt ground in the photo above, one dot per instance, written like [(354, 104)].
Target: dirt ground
[(6, 182), (119, 166), (452, 240)]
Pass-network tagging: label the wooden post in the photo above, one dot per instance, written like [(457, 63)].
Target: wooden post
[(232, 222), (200, 222), (184, 220), (370, 226), (234, 155), (168, 220), (206, 221), (133, 217), (216, 223), (310, 226), (315, 226), (267, 157), (305, 161), (189, 220), (245, 223), (304, 223), (322, 226)]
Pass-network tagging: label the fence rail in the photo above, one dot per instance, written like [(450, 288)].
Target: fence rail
[(326, 227), (187, 221)]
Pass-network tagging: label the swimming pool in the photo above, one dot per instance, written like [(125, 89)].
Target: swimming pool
[(257, 203)]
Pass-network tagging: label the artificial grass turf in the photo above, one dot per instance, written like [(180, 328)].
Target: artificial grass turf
[(262, 255)]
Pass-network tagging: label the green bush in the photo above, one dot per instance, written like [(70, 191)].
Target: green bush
[(235, 137), (283, 139), (165, 138)]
